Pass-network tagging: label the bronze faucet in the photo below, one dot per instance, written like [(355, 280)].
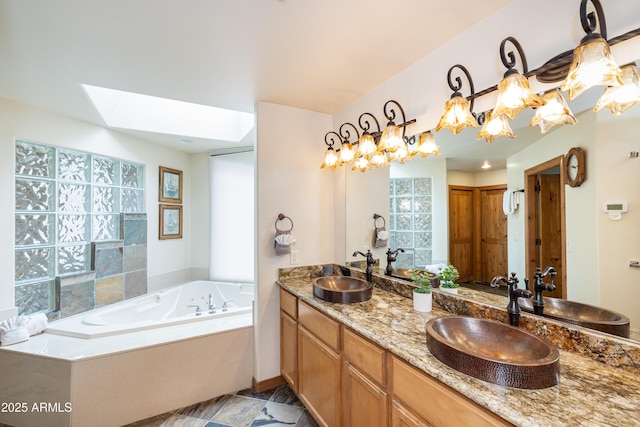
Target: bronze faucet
[(391, 257), (539, 286), (514, 293), (370, 262)]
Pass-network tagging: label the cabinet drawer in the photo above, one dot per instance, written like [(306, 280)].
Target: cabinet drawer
[(437, 403), (364, 355), (288, 304), (324, 328)]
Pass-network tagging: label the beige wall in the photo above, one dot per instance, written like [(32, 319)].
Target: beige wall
[(288, 180)]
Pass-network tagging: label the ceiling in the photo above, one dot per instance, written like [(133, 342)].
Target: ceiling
[(310, 54)]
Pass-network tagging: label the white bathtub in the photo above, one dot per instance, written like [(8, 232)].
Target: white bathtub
[(168, 307)]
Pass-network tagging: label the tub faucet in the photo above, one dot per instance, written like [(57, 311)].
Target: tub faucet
[(539, 286), (212, 304), (370, 262), (391, 257), (514, 293), (225, 304), (197, 307)]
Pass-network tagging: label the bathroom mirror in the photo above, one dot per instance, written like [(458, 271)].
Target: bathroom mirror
[(607, 139)]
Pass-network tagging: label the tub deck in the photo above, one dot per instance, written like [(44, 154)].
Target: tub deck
[(142, 373)]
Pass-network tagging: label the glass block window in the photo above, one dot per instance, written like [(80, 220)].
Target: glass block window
[(411, 225), (64, 201)]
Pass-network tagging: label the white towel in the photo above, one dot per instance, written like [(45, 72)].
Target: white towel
[(14, 336), (37, 323), (285, 239), (510, 201)]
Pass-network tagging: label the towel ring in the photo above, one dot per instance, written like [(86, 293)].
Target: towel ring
[(376, 217), (282, 217)]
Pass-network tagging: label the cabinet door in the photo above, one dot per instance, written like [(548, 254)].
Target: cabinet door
[(289, 350), (319, 375), (365, 402), (403, 417)]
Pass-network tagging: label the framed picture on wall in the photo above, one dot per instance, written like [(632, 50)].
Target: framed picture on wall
[(170, 222), (170, 188)]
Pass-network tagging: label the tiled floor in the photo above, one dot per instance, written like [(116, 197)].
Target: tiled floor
[(246, 408)]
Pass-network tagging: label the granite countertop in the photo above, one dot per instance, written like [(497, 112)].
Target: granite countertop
[(589, 393)]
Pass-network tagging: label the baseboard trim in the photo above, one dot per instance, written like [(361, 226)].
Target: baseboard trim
[(267, 384)]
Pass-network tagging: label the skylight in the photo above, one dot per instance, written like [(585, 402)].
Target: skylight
[(133, 111)]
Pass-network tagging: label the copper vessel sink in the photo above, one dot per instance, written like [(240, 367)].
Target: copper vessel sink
[(494, 352), (587, 316), (342, 289)]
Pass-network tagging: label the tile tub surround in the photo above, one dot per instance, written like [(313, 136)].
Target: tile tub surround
[(590, 393)]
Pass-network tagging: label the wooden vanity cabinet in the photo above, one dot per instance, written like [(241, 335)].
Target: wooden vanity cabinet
[(419, 399), (364, 383), (289, 339), (319, 366), (343, 379)]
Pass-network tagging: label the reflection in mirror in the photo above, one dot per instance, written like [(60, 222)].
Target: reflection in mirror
[(597, 249)]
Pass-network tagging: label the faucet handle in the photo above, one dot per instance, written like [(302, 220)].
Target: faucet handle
[(526, 284)]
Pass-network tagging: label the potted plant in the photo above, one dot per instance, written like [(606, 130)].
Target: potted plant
[(448, 276), (422, 298)]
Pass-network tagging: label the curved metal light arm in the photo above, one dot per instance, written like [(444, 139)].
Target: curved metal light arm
[(333, 141), (390, 114), (346, 135), (365, 126), (590, 20), (455, 87), (509, 59)]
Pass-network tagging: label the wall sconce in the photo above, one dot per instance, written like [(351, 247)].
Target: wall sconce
[(457, 111), (514, 92), (331, 158), (619, 99), (425, 146), (592, 61)]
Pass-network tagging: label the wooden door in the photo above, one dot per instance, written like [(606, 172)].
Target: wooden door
[(550, 228), (493, 230), (461, 227)]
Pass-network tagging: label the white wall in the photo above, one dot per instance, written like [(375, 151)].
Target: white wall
[(618, 177), (165, 258), (289, 180), (582, 241)]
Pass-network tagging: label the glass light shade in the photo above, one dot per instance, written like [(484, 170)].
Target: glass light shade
[(346, 152), (426, 145), (514, 95), (457, 115), (555, 111), (391, 139), (619, 99), (379, 159), (330, 159), (361, 164), (592, 65), (366, 146), (496, 126), (402, 154)]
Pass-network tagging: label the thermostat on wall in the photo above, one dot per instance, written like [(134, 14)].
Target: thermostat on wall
[(615, 209)]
